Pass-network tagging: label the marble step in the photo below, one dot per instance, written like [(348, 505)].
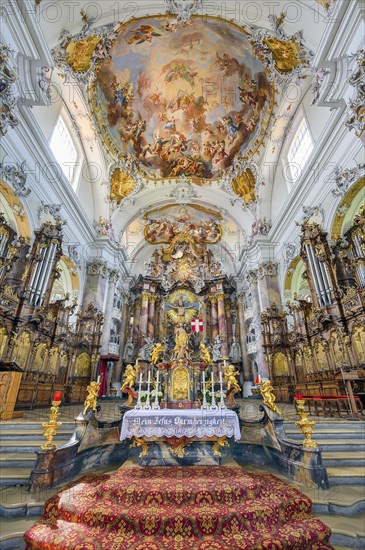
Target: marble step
[(18, 502), (14, 476), (342, 425), (27, 446), (15, 460), (24, 426), (348, 532), (345, 500), (343, 458), (328, 434), (31, 434), (12, 531), (346, 475)]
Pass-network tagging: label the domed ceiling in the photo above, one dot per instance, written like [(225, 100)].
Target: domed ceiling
[(181, 98)]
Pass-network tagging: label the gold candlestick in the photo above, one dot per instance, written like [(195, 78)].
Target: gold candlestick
[(51, 427), (305, 425)]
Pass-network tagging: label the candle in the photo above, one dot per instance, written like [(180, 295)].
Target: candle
[(140, 378), (98, 380), (137, 362), (225, 363), (212, 379), (157, 381), (220, 377), (57, 396), (149, 377), (203, 377)]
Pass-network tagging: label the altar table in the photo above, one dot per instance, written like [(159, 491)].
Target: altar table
[(180, 423)]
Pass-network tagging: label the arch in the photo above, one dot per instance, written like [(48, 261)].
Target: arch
[(68, 281), (14, 210), (294, 283), (347, 209)]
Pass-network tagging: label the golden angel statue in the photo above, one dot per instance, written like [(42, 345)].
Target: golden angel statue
[(92, 396), (230, 378), (206, 358), (128, 383), (156, 351), (268, 397)]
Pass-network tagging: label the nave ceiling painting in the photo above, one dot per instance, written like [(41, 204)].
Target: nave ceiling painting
[(172, 98)]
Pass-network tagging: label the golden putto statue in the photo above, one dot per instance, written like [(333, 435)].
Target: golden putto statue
[(128, 383)]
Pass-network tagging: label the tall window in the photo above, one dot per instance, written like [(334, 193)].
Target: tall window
[(300, 150), (63, 148)]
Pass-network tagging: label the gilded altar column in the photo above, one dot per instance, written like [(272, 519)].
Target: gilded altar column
[(222, 322), (214, 316), (151, 315), (144, 313)]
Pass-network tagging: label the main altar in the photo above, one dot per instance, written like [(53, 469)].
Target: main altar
[(182, 354)]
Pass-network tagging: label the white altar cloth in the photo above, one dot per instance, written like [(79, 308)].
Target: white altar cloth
[(180, 423)]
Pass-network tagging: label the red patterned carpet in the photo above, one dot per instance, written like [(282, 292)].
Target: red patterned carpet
[(179, 508)]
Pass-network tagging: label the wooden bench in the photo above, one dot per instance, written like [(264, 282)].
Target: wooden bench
[(332, 403)]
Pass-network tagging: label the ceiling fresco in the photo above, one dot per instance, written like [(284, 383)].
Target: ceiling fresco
[(201, 224), (181, 98)]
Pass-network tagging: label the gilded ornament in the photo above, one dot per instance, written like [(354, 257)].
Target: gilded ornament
[(139, 442), (232, 385), (156, 352), (121, 185), (221, 442), (244, 186), (51, 427), (128, 383), (306, 426), (80, 52), (268, 396), (180, 384), (206, 357), (92, 397), (285, 53)]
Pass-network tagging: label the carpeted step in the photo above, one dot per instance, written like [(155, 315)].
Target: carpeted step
[(179, 508), (27, 446)]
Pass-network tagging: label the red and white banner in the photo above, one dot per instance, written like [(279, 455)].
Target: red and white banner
[(197, 325)]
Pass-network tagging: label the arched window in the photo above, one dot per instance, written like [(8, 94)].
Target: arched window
[(64, 149), (300, 150)]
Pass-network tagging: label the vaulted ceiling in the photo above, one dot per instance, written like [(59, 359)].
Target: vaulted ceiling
[(184, 110)]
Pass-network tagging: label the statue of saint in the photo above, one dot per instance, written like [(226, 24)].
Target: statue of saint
[(216, 348), (128, 350), (145, 351), (180, 350), (235, 353)]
